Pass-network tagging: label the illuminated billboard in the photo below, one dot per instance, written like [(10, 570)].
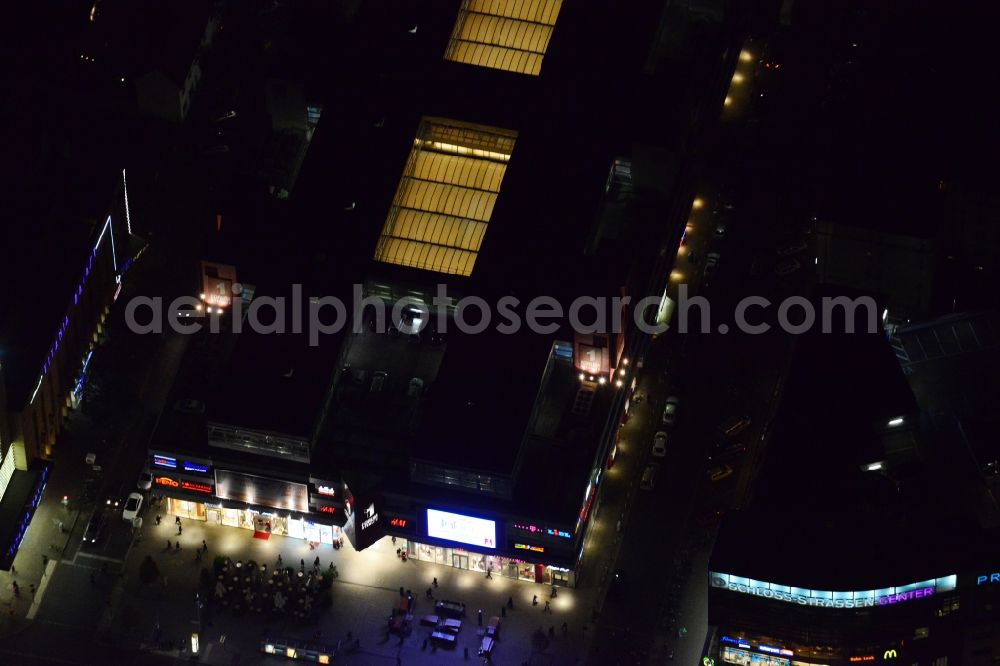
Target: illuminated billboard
[(463, 529), (261, 491)]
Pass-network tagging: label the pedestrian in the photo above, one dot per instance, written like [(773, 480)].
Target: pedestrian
[(424, 646), (409, 603), (279, 561), (157, 519), (546, 609), (430, 595), (480, 614), (510, 603), (401, 593), (177, 520), (204, 546), (503, 611), (13, 570), (177, 547), (179, 530), (552, 632), (316, 562), (302, 564), (45, 561), (435, 581), (534, 600), (17, 590), (169, 545), (565, 629), (393, 541)]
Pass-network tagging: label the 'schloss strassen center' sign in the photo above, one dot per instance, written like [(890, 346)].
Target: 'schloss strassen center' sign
[(833, 599)]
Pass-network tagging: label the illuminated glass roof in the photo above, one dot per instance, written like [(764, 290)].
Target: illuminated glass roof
[(446, 196), (512, 35)]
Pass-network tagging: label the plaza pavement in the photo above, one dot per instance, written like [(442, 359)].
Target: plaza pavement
[(363, 596)]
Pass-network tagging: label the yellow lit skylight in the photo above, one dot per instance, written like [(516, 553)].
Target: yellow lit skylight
[(512, 35), (446, 196)]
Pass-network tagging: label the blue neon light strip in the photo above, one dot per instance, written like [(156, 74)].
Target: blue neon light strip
[(192, 467), (164, 461)]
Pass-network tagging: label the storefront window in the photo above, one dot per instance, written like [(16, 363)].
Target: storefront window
[(477, 562), (426, 552), (185, 509), (526, 571), (296, 529)]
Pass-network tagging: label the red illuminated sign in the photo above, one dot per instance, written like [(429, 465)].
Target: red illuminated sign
[(867, 657), (327, 509), (398, 522), (196, 487), (166, 481)]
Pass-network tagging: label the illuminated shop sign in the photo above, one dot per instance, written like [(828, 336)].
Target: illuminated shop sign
[(195, 467), (326, 490), (833, 599), (165, 461), (534, 529), (867, 657), (463, 529), (988, 579), (398, 522), (369, 518), (889, 654), (327, 509), (525, 546), (738, 642), (196, 487), (166, 481)]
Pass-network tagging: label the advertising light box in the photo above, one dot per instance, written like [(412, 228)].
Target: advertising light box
[(463, 529)]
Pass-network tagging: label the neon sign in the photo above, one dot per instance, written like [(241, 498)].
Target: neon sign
[(534, 529), (326, 490), (833, 599), (196, 487), (867, 657), (166, 481), (991, 578), (525, 546), (398, 522), (738, 642), (165, 461), (194, 467), (327, 509)]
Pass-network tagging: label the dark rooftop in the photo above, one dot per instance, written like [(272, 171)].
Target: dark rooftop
[(63, 187)]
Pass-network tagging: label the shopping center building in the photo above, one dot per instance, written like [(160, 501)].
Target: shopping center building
[(865, 540), (491, 171)]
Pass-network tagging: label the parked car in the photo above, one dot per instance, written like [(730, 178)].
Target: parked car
[(145, 481), (725, 450), (787, 267), (734, 426), (660, 444), (649, 476), (711, 264), (791, 248), (710, 517), (94, 528), (132, 506), (719, 473), (670, 410)]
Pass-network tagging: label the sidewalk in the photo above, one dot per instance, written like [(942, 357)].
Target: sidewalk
[(363, 596), (44, 542)]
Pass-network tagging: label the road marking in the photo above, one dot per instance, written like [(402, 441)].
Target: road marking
[(100, 557)]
